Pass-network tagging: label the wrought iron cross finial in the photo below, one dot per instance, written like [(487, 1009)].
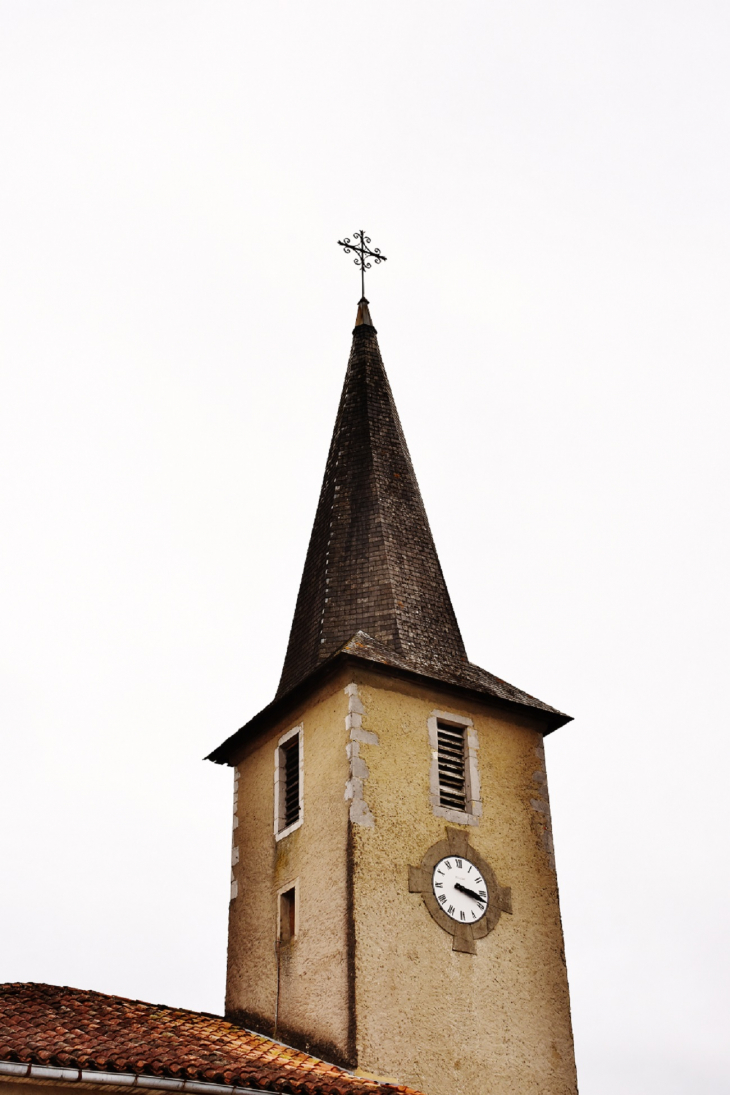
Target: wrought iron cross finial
[(363, 252)]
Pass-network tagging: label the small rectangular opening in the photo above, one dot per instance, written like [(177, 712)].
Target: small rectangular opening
[(288, 915), (451, 766)]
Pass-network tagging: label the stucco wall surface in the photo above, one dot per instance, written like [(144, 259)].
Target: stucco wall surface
[(314, 1004), (450, 1023)]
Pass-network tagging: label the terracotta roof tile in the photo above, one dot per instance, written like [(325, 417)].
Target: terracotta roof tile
[(55, 1025)]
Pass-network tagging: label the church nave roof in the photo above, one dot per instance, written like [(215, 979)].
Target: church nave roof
[(51, 1025)]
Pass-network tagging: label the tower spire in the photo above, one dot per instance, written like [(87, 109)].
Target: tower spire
[(372, 588), (372, 565), (363, 314)]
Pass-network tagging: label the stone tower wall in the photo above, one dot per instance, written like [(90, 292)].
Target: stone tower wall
[(448, 1023), (372, 980), (310, 974)]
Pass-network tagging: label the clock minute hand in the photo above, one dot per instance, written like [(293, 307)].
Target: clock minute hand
[(469, 893)]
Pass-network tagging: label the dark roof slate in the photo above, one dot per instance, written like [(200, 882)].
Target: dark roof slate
[(372, 564), (465, 675), (72, 1028)]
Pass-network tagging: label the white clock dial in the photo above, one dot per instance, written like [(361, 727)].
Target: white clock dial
[(460, 889)]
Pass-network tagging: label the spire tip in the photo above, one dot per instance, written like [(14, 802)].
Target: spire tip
[(363, 313)]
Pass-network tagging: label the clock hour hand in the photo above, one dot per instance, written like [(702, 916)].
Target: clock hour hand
[(469, 893)]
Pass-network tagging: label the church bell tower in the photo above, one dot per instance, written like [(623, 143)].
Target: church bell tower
[(394, 902)]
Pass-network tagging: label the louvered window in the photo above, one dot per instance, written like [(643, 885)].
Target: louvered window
[(291, 781), (288, 782), (451, 766)]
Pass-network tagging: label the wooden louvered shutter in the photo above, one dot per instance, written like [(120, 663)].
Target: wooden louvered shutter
[(291, 781), (452, 767)]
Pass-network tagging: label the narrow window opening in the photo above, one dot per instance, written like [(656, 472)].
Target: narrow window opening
[(451, 766), (288, 915), (290, 758), (288, 777)]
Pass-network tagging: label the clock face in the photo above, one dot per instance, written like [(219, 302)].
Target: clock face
[(460, 889)]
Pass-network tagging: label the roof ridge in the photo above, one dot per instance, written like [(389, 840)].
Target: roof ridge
[(113, 996), (380, 500)]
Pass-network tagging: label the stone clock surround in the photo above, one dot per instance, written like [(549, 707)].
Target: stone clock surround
[(500, 897)]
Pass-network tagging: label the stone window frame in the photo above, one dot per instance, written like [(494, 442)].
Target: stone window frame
[(279, 798), (472, 814)]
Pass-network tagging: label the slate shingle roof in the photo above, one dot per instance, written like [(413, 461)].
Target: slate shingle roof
[(371, 564), (465, 675), (72, 1028)]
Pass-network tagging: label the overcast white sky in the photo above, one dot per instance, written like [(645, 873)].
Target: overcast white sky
[(550, 184)]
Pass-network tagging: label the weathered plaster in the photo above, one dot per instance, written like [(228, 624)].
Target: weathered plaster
[(541, 805), (494, 1022), (314, 992)]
